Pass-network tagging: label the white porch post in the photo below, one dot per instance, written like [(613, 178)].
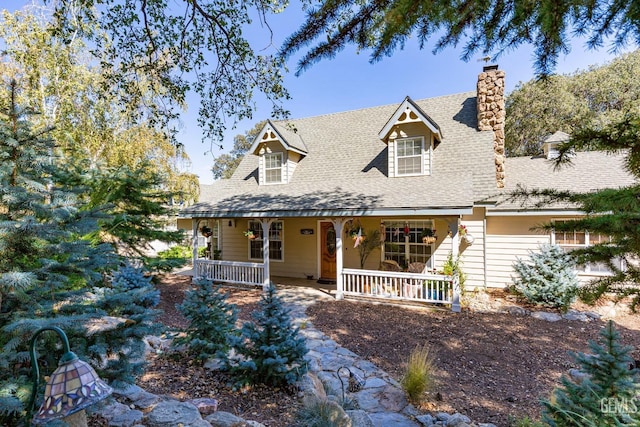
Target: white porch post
[(266, 280), (338, 225), (194, 228), (455, 245)]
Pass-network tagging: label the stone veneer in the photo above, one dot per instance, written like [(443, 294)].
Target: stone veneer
[(491, 113)]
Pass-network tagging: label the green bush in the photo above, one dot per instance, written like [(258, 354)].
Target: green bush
[(419, 375), (549, 279), (270, 349), (211, 320), (176, 252)]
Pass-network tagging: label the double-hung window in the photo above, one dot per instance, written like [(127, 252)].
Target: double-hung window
[(410, 156), (273, 168), (570, 240), (275, 241), (403, 242)]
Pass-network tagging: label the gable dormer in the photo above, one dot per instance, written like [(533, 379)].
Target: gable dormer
[(410, 135), (551, 144), (279, 150)]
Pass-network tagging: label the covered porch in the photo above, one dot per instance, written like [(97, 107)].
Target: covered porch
[(331, 238)]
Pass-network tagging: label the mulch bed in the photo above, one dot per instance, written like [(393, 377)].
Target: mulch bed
[(492, 367)]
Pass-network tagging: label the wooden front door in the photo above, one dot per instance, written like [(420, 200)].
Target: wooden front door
[(327, 252)]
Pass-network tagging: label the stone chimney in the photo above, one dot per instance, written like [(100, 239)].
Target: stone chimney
[(491, 113)]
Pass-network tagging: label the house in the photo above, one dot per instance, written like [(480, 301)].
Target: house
[(428, 175)]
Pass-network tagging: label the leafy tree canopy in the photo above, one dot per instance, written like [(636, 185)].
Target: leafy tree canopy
[(491, 27), (154, 52), (594, 97), (58, 81)]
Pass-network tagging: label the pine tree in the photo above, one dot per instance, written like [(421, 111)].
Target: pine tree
[(607, 396), (548, 279), (211, 320), (131, 299), (51, 274), (271, 351)]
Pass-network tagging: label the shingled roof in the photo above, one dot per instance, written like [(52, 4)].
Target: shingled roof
[(345, 170), (588, 171)]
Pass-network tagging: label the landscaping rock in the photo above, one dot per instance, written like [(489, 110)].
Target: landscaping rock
[(359, 418), (426, 420), (126, 419), (458, 420), (170, 413), (223, 419), (205, 405), (576, 315), (543, 315)]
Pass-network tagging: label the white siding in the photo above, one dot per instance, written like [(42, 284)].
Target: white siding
[(510, 238)]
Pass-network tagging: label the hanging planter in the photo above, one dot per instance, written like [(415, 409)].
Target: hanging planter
[(249, 234), (206, 231), (429, 236)]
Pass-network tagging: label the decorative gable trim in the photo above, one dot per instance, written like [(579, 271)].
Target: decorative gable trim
[(275, 133), (409, 112)]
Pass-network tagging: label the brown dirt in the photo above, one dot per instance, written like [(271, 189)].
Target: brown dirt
[(489, 366)]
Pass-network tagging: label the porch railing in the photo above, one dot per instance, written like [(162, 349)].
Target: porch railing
[(246, 273), (424, 287)]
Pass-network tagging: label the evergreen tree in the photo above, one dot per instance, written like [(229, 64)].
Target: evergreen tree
[(139, 212), (51, 274), (607, 396), (271, 351), (211, 320), (118, 352), (548, 278)]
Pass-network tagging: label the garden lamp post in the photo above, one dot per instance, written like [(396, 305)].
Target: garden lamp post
[(71, 388)]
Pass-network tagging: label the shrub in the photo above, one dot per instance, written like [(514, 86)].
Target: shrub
[(270, 350), (419, 377), (607, 396), (450, 266), (181, 252), (319, 412), (211, 320), (549, 279), (524, 422)]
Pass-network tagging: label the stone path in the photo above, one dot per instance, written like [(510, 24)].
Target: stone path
[(382, 398)]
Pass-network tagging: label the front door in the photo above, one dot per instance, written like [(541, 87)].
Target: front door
[(327, 252)]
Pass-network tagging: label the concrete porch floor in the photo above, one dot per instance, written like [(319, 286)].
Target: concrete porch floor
[(329, 289)]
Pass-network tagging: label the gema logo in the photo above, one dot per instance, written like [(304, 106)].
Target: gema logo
[(613, 405)]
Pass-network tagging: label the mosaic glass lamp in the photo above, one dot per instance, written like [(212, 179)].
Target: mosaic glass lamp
[(71, 388)]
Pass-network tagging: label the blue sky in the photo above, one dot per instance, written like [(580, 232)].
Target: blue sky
[(350, 82)]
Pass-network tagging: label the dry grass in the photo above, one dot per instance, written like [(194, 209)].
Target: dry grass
[(419, 377)]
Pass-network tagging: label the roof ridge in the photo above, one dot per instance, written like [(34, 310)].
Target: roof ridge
[(389, 105)]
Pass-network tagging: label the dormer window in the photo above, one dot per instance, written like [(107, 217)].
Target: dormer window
[(273, 168), (410, 156), (411, 136)]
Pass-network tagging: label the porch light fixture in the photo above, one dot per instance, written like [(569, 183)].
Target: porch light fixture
[(71, 388)]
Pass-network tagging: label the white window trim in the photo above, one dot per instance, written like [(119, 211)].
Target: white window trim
[(586, 270), (430, 263), (422, 153), (260, 240), (282, 168)]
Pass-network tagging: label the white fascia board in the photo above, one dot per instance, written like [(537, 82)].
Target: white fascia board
[(547, 212), (331, 212), (409, 104)]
